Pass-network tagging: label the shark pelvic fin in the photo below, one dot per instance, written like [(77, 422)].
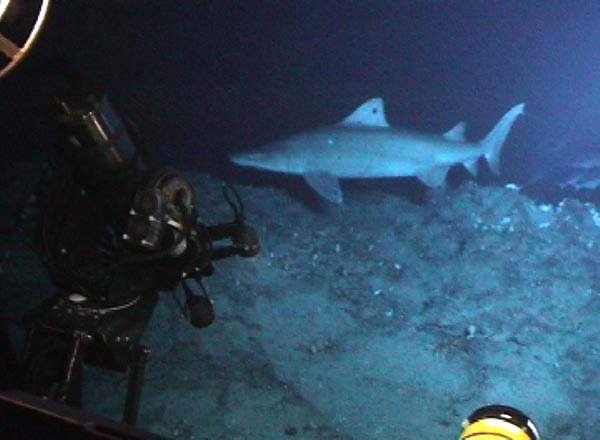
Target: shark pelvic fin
[(326, 185), (456, 133), (472, 166), (434, 177), (370, 114)]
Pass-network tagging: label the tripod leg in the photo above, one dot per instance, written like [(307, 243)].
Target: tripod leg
[(134, 384), (69, 390)]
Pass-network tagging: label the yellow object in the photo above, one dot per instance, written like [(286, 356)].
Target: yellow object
[(497, 422), (494, 429)]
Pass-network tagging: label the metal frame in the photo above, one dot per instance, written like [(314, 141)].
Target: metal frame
[(10, 48)]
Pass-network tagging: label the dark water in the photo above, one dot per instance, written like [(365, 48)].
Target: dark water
[(355, 321)]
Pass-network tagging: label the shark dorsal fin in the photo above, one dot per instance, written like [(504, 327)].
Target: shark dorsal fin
[(370, 114), (456, 133)]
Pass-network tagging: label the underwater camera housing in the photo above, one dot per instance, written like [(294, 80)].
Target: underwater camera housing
[(114, 232)]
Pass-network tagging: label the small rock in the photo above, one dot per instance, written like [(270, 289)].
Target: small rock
[(291, 431)]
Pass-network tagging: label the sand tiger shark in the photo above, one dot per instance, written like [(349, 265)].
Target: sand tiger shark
[(364, 145)]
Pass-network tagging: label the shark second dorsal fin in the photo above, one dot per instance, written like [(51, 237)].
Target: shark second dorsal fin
[(370, 114), (456, 133)]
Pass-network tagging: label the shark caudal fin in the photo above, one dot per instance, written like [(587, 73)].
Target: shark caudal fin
[(493, 142)]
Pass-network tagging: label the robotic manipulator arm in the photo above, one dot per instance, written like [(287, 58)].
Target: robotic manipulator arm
[(151, 211)]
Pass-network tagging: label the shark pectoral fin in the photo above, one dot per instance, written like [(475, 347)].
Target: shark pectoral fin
[(326, 185), (434, 177)]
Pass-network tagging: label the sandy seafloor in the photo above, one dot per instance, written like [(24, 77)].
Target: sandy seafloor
[(380, 318)]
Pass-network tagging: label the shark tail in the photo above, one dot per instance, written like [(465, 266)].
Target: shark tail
[(493, 142)]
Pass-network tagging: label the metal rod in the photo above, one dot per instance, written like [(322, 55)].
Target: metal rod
[(134, 385)]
